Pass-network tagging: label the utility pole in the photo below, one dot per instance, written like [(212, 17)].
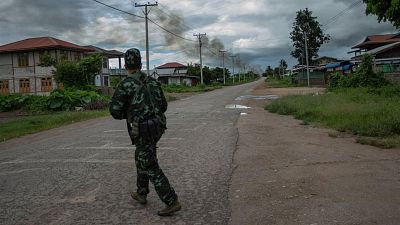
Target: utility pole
[(146, 13), (223, 63), (233, 67), (199, 36), (308, 69)]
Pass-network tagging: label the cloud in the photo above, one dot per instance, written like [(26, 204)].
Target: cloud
[(256, 30)]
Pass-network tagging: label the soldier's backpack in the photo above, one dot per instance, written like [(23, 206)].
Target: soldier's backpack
[(148, 121)]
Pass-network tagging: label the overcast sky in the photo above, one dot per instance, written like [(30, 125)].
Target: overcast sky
[(255, 30)]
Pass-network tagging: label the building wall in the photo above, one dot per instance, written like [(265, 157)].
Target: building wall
[(10, 71)]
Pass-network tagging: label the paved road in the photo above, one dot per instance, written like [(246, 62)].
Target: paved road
[(83, 173)]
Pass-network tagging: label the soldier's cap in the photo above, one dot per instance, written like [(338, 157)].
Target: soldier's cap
[(133, 58)]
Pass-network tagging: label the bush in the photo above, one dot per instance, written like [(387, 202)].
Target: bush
[(69, 99), (363, 77)]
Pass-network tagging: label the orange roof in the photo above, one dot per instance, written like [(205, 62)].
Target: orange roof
[(40, 43), (171, 65), (379, 39)]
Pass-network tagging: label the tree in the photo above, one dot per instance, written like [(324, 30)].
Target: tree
[(283, 65), (307, 25), (386, 10), (46, 60), (90, 66), (78, 75)]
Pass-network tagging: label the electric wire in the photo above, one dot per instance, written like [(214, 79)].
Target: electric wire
[(161, 27), (120, 10)]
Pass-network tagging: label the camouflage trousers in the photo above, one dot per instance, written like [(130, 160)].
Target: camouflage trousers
[(148, 170)]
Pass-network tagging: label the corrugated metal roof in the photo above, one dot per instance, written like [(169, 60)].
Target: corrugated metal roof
[(40, 43)]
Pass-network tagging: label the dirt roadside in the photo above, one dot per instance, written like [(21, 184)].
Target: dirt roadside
[(286, 173)]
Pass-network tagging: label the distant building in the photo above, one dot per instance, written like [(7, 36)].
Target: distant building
[(174, 73), (385, 49), (20, 70)]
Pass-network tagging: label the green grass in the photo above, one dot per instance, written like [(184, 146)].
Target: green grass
[(372, 114), (280, 83), (31, 124)]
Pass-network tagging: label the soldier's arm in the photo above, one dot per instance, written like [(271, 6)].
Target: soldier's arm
[(119, 101)]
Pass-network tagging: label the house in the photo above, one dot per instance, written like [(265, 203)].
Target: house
[(20, 70), (174, 73), (104, 78), (324, 60), (385, 50)]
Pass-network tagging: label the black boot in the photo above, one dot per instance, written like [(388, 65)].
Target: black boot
[(139, 198), (170, 209)]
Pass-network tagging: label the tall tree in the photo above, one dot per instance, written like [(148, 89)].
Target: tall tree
[(307, 25), (386, 10), (283, 65)]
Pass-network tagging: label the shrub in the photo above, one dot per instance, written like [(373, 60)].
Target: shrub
[(363, 77)]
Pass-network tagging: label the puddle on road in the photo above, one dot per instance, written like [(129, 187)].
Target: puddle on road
[(243, 114), (236, 106), (266, 97)]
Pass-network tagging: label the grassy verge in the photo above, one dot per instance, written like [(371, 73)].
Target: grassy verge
[(184, 88), (31, 124), (372, 114), (280, 83)]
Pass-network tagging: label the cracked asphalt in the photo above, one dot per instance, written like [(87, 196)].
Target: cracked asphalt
[(83, 173)]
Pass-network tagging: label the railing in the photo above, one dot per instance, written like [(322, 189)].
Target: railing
[(118, 72)]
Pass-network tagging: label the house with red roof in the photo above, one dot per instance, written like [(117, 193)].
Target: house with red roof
[(174, 73), (385, 49), (21, 70)]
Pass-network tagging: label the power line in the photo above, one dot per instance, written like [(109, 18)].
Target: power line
[(142, 17), (343, 12), (120, 10)]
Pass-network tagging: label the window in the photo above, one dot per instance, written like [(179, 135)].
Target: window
[(4, 87), (24, 86), (105, 63), (47, 84), (23, 59)]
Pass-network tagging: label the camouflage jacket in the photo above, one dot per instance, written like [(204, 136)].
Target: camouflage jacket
[(137, 98)]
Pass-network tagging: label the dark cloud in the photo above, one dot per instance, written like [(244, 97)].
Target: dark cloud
[(27, 18)]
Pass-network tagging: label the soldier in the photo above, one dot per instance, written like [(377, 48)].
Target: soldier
[(140, 100)]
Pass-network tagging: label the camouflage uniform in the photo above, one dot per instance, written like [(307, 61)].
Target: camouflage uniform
[(134, 104)]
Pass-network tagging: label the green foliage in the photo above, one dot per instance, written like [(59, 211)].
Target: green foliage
[(46, 60), (363, 77), (284, 82), (68, 73), (210, 75), (58, 100), (307, 23), (30, 103), (372, 112), (78, 75), (386, 10), (115, 81), (69, 99)]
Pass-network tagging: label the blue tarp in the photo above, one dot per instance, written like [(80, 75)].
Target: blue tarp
[(332, 65)]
